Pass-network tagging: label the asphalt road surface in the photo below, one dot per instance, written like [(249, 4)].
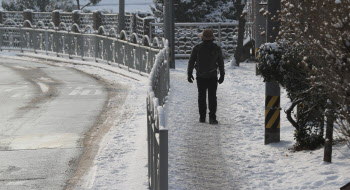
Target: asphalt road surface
[(46, 112)]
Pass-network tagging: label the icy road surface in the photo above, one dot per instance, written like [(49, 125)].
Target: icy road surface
[(49, 117)]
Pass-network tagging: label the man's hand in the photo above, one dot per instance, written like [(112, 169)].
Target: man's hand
[(221, 79), (190, 78)]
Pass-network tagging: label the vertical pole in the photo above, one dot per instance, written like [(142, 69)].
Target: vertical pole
[(169, 29), (56, 19), (219, 33), (21, 37), (272, 25), (150, 31), (121, 16), (148, 139), (97, 47), (172, 29), (28, 15), (260, 26), (272, 112), (82, 46), (273, 91), (70, 48), (97, 18), (329, 138), (76, 20), (163, 159)]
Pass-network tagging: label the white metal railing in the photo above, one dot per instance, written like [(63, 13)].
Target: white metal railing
[(137, 55), (157, 134)]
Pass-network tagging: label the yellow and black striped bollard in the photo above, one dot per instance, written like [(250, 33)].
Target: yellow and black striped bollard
[(272, 113)]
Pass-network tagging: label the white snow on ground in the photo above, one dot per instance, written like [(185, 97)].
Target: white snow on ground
[(232, 155)]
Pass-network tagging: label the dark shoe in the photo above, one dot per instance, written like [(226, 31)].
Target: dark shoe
[(213, 121), (202, 120)]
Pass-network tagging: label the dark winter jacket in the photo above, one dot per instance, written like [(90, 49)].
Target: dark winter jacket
[(206, 58)]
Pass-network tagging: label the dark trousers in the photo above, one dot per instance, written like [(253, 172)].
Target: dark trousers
[(204, 85)]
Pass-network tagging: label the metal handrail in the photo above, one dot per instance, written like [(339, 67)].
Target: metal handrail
[(157, 134)]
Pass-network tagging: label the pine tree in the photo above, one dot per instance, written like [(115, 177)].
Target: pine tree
[(198, 10)]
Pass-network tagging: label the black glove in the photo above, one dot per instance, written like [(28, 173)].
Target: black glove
[(221, 79), (190, 78)]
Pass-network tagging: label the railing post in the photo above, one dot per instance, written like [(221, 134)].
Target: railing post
[(134, 23), (150, 31), (121, 16), (139, 60), (76, 18), (96, 47), (163, 159), (33, 36), (97, 18), (69, 44), (21, 37), (148, 139), (82, 46), (153, 165), (28, 15), (55, 39), (147, 26), (56, 18), (46, 41)]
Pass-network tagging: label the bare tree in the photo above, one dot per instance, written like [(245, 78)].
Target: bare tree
[(91, 2)]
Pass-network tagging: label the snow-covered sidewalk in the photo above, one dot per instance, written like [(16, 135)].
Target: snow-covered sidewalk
[(232, 155)]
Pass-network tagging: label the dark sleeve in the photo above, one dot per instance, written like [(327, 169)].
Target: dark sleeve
[(221, 63), (192, 61)]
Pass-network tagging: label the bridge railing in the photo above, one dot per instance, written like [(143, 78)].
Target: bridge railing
[(137, 55), (157, 134)]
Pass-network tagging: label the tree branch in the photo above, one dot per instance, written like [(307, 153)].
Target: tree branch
[(289, 113), (88, 4)]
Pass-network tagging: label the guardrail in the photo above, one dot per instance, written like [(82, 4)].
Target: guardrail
[(157, 134), (132, 53)]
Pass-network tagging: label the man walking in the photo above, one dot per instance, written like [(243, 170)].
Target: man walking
[(206, 58)]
